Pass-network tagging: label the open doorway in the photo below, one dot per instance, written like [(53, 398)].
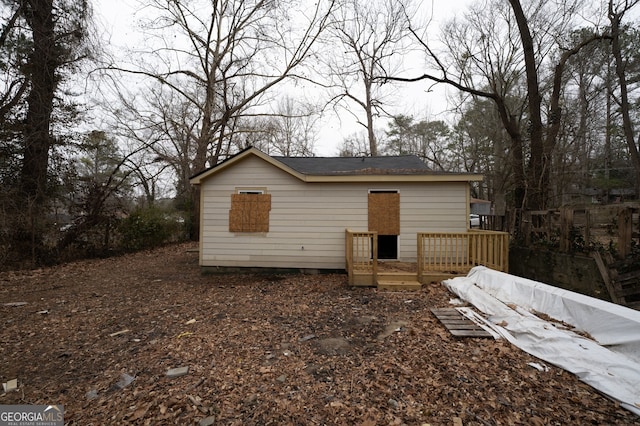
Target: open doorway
[(388, 247)]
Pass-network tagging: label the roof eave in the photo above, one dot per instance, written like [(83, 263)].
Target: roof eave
[(395, 178), (311, 178), (197, 179)]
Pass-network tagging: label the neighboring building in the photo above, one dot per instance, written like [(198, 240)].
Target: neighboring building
[(481, 207), (260, 211), (480, 210)]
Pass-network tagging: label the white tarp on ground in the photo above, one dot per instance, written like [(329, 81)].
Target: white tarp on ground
[(610, 364)]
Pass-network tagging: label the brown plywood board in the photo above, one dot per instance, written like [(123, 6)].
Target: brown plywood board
[(249, 213), (384, 213)]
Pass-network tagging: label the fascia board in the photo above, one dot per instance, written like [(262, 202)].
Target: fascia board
[(198, 179), (463, 177), (393, 178)]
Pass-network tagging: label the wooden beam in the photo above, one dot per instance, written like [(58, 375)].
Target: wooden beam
[(604, 273), (625, 231)]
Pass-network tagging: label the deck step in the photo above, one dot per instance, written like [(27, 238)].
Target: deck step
[(399, 285), (362, 279), (397, 276)]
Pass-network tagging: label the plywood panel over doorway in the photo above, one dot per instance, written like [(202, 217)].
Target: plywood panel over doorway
[(384, 213)]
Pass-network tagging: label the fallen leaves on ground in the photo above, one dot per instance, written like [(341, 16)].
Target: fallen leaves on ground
[(100, 336)]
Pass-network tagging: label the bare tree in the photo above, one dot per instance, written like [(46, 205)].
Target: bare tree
[(294, 130), (289, 129), (371, 35), (220, 59), (168, 127), (582, 136), (617, 11), (355, 145), (494, 58)]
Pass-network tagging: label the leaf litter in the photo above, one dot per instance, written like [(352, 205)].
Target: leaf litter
[(263, 349)]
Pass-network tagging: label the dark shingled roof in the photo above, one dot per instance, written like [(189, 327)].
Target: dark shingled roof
[(403, 165)]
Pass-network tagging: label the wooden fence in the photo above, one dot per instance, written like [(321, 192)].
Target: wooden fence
[(572, 229)]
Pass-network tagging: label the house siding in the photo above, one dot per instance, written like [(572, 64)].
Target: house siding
[(307, 221)]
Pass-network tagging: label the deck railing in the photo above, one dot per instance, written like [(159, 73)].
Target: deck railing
[(457, 252), (451, 253), (361, 252), (490, 249)]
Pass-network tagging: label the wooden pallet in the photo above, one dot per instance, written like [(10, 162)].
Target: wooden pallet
[(459, 325)]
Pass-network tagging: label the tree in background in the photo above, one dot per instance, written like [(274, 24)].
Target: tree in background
[(583, 122), (544, 136), (355, 145), (293, 128), (482, 59), (163, 131), (617, 11), (218, 60), (41, 41), (101, 190), (592, 156), (427, 139), (480, 145), (493, 54), (371, 36), (290, 128), (14, 56)]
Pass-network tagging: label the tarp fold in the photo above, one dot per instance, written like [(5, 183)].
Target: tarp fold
[(610, 362)]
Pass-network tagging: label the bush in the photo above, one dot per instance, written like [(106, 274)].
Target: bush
[(147, 228)]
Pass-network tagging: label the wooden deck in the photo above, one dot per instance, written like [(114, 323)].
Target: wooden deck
[(440, 256)]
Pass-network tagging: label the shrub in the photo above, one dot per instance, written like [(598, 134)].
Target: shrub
[(146, 228)]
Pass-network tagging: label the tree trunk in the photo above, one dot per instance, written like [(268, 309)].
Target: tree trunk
[(512, 127), (194, 226), (373, 144), (198, 166), (37, 141), (616, 49), (537, 169), (607, 140)]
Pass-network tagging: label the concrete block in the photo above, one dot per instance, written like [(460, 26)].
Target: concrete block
[(177, 372)]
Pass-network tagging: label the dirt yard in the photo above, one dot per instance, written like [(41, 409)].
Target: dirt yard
[(100, 336)]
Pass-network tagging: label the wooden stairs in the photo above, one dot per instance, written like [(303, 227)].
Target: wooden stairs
[(398, 281), (399, 276)]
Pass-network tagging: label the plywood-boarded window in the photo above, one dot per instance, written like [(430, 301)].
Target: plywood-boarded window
[(249, 211), (384, 213)]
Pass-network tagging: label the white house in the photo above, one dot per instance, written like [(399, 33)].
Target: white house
[(259, 211)]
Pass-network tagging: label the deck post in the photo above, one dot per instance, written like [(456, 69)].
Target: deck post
[(374, 257), (348, 252), (420, 256)]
